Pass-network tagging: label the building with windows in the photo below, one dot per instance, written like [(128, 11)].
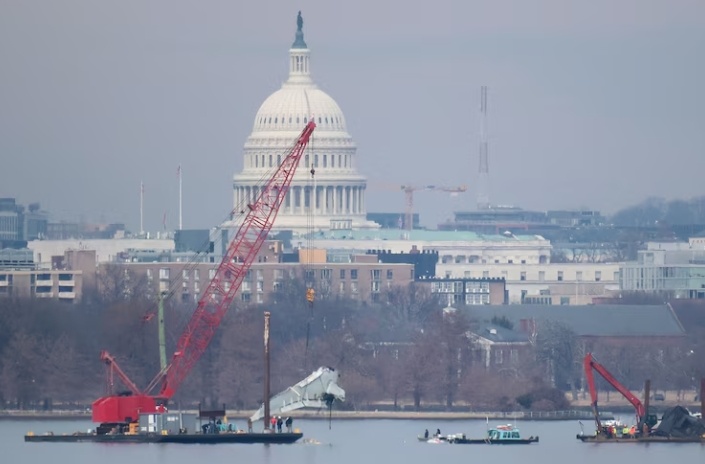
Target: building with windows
[(549, 283), (336, 197), (464, 291), (20, 224), (500, 349), (360, 279), (672, 269)]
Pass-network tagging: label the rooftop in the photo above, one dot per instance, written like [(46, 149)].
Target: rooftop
[(423, 235), (590, 320)]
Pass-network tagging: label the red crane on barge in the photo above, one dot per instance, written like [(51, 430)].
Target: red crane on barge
[(113, 410), (589, 363)]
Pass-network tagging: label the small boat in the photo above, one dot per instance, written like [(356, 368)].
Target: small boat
[(500, 435), (436, 438)]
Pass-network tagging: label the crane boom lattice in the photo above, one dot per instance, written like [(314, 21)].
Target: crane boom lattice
[(215, 300)]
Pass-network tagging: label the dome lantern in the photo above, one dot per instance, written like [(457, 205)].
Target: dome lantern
[(299, 56)]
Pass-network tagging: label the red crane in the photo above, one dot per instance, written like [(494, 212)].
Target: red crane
[(213, 304), (589, 364)]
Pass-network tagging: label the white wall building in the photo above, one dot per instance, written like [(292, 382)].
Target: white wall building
[(336, 193), (675, 269), (106, 249), (459, 247), (559, 283)]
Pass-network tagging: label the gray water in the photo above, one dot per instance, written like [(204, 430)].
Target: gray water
[(346, 442)]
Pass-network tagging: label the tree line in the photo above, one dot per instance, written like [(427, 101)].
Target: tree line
[(405, 351)]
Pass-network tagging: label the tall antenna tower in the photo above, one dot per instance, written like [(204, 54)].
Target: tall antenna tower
[(483, 194)]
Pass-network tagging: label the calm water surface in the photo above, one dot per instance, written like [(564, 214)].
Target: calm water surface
[(346, 442)]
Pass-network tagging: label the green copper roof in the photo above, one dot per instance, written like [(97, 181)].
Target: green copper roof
[(420, 234), (299, 41)]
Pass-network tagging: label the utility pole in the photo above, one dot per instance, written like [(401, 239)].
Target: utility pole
[(266, 370), (162, 336), (141, 208), (178, 171)]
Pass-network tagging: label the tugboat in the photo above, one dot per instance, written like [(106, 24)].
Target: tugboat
[(506, 434)]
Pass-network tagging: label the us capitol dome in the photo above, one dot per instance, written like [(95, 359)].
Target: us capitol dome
[(333, 198)]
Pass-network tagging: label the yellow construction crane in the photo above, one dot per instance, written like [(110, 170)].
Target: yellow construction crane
[(409, 193)]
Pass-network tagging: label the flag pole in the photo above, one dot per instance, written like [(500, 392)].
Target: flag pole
[(180, 200), (141, 208)]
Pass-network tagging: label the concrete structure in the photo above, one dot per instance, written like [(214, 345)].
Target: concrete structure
[(16, 259), (594, 325), (61, 285), (335, 196), (500, 349), (462, 291), (20, 224), (360, 280), (106, 250), (559, 283), (675, 270), (452, 247)]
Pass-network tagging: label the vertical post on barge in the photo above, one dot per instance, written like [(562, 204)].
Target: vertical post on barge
[(647, 397), (702, 400), (266, 370)]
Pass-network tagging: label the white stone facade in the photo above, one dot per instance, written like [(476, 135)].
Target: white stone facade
[(450, 249), (334, 197), (107, 250), (559, 283)]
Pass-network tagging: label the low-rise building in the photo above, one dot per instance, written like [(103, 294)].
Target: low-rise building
[(467, 291), (365, 281), (64, 285), (559, 283), (673, 269), (498, 348)]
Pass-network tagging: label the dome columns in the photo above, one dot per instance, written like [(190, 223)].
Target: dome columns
[(325, 200)]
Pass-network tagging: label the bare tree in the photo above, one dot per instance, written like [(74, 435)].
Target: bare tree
[(118, 283), (556, 347)]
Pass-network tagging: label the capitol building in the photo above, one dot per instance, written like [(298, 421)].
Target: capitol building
[(333, 197)]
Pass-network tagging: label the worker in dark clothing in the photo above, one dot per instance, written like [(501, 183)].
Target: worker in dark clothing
[(288, 423), (438, 432), (425, 434), (280, 422), (249, 425)]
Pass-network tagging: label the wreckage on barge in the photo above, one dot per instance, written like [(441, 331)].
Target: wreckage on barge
[(677, 424)]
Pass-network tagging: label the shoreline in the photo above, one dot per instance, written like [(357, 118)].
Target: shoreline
[(345, 415), (578, 411)]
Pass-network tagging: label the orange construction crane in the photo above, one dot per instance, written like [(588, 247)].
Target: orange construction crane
[(409, 193)]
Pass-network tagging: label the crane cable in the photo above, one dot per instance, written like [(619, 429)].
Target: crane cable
[(199, 257), (309, 271)]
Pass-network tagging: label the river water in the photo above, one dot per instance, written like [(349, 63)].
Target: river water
[(347, 442)]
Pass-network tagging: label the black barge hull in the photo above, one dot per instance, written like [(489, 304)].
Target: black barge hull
[(649, 439), (481, 441), (273, 438)]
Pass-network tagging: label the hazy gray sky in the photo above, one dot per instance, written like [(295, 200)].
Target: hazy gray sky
[(594, 104)]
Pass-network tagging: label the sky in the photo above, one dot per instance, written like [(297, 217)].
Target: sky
[(595, 104)]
